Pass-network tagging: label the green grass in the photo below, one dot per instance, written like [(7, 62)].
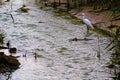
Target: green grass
[(68, 17), (103, 32)]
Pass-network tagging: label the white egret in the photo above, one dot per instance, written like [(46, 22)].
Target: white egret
[(87, 22)]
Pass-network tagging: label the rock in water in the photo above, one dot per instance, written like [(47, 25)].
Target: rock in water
[(8, 63), (13, 50), (25, 9)]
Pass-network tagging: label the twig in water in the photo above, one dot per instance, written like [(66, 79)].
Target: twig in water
[(98, 54), (9, 76), (12, 18), (11, 7)]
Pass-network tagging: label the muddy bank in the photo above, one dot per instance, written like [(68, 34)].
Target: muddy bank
[(103, 17)]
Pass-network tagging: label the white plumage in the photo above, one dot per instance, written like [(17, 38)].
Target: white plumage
[(86, 21)]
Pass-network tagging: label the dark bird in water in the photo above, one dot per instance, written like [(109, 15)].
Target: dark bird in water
[(13, 50), (8, 44), (24, 55)]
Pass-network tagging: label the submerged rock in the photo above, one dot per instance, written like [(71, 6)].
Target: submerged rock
[(76, 39), (13, 50), (24, 9), (8, 63)]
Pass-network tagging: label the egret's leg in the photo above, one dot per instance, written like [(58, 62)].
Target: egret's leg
[(87, 30)]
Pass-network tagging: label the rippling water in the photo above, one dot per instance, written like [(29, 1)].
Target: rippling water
[(57, 58)]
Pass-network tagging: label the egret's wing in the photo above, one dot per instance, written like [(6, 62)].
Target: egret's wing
[(88, 23)]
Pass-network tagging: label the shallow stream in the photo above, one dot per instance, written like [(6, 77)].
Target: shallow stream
[(44, 39)]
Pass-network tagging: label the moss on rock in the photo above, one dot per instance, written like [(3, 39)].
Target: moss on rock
[(8, 63)]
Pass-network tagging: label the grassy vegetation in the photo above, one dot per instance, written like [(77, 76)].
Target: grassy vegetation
[(68, 17), (103, 32), (114, 46)]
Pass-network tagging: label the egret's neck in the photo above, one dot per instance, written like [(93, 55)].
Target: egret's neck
[(83, 17)]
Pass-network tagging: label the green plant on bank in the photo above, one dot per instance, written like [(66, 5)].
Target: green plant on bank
[(115, 13), (115, 47), (67, 16), (116, 44), (103, 32)]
